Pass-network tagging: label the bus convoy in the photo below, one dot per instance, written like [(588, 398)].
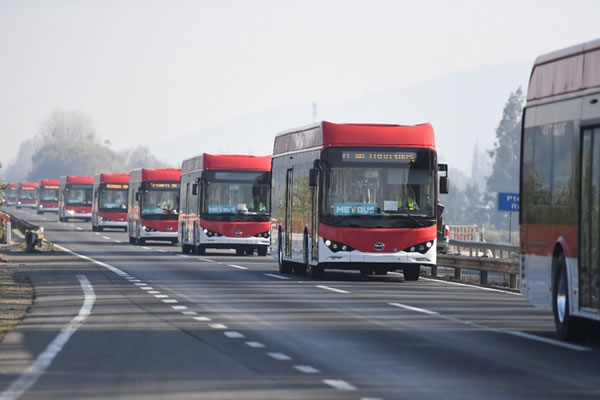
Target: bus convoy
[(560, 188), (109, 201), (225, 202)]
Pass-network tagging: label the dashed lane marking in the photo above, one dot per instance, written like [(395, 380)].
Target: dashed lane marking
[(145, 247), (279, 356), (189, 313), (202, 319), (218, 326), (161, 296), (139, 284), (339, 384), (236, 266), (169, 301), (106, 237), (78, 228), (117, 241), (179, 308), (277, 276), (307, 369), (154, 291), (146, 288), (255, 345), (233, 335), (331, 289), (415, 309)]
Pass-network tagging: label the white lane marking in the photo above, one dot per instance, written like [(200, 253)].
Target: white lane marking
[(332, 289), (471, 286), (154, 291), (161, 296), (339, 384), (415, 309), (106, 237), (276, 276), (233, 335), (279, 356), (487, 328), (181, 255), (45, 358), (169, 301), (71, 225), (255, 345), (96, 233), (307, 369), (218, 326), (189, 313), (133, 279), (202, 319), (236, 266), (139, 284), (162, 251), (146, 288), (205, 259), (117, 241), (179, 308), (78, 228), (145, 247)]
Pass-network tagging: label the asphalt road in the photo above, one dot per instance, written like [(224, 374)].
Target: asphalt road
[(168, 325)]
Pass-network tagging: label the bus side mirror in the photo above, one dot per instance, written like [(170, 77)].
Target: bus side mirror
[(444, 184), (313, 175), (137, 196), (195, 189)]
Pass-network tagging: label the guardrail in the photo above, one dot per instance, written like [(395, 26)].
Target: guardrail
[(483, 257), (34, 235)]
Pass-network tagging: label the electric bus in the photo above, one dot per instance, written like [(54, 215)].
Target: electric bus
[(11, 194), (153, 205), (75, 198), (48, 195), (109, 201), (225, 203), (355, 197), (27, 194), (560, 188)]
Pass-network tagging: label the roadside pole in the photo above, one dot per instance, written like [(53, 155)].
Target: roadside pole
[(509, 202)]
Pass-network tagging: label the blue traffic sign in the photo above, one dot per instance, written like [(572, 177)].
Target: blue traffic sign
[(508, 202)]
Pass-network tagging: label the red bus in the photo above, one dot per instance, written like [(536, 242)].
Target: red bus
[(109, 204), (48, 195), (225, 203), (153, 204), (75, 197), (27, 194), (560, 188), (355, 197), (11, 194)]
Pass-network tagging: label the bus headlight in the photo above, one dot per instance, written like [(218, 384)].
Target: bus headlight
[(210, 233), (336, 246), (263, 235), (420, 248)]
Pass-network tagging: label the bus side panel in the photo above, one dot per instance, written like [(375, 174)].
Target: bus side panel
[(278, 184)]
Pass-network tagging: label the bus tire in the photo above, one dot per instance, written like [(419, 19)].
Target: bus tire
[(411, 272), (284, 266), (200, 250), (99, 229), (568, 327), (131, 240), (239, 251), (262, 251), (141, 241)]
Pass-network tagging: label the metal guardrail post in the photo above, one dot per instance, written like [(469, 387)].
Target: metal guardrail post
[(483, 277), (434, 271), (457, 273), (513, 281)]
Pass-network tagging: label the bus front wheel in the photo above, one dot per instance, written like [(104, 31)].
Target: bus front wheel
[(411, 272), (284, 266), (568, 327)]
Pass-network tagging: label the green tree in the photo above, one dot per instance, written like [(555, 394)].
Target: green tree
[(505, 158)]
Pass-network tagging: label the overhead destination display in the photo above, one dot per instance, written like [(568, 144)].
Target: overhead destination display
[(379, 156)]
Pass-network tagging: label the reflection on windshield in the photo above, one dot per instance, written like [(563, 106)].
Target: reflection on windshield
[(113, 200), (387, 189), (237, 192), (27, 194), (78, 196), (49, 195), (159, 202)]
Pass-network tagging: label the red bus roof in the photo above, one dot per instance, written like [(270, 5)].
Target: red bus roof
[(326, 134), (49, 182), (112, 178), (155, 174), (78, 179), (565, 71), (12, 186), (28, 184), (236, 162)]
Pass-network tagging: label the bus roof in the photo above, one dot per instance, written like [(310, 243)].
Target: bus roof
[(569, 70), (111, 178), (155, 174), (28, 184), (12, 186), (236, 162), (327, 134), (71, 179), (52, 182)]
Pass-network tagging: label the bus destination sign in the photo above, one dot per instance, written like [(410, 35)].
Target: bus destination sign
[(378, 156), (51, 187), (164, 185), (117, 186)]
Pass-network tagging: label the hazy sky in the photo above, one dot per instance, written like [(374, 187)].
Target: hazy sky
[(146, 71)]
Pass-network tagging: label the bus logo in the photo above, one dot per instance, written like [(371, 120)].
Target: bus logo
[(379, 246), (238, 233)]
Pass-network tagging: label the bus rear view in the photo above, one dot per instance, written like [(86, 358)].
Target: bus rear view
[(355, 197), (225, 203)]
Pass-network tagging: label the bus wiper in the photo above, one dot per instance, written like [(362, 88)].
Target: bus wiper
[(412, 217)]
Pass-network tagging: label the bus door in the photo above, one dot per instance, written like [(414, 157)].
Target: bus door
[(589, 223), (314, 220), (289, 195)]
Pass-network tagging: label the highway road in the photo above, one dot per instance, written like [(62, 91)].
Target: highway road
[(165, 325)]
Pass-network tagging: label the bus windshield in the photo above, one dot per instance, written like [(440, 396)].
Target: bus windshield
[(113, 200), (160, 204), (378, 187), (49, 195), (236, 195), (27, 194), (78, 195)]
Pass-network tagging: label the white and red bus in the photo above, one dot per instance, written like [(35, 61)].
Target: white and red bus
[(560, 188), (11, 194), (225, 203), (153, 204), (27, 194), (48, 195), (355, 197), (109, 204), (75, 198)]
